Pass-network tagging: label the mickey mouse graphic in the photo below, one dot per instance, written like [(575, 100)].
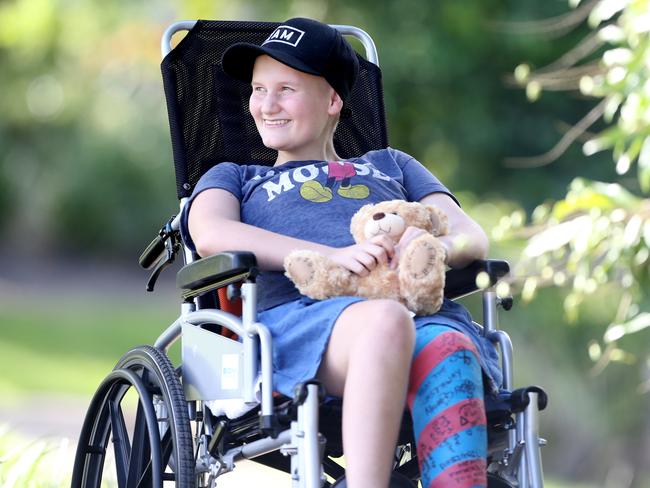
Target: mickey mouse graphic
[(337, 172)]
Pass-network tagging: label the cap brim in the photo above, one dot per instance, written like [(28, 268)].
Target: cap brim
[(239, 59)]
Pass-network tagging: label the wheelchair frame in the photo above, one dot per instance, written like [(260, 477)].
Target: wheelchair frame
[(517, 463)]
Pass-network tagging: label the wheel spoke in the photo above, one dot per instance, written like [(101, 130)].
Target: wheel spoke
[(167, 448), (140, 451), (167, 445), (121, 446)]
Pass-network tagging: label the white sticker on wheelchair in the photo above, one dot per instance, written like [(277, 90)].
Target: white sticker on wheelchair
[(230, 372)]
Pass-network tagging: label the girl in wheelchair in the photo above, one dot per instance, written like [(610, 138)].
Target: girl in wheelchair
[(372, 353)]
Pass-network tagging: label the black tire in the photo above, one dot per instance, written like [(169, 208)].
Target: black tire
[(158, 447), (495, 481)]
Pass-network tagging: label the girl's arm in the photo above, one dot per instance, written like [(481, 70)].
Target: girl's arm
[(215, 226), (466, 240)]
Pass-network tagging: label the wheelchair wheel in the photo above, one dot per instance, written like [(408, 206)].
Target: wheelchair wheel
[(141, 408)]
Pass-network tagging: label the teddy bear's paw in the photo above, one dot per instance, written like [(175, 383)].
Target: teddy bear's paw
[(427, 306), (301, 270), (439, 221), (421, 260)]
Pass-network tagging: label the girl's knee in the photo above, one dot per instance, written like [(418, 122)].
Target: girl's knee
[(391, 321)]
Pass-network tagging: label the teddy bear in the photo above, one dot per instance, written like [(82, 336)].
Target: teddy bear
[(417, 282)]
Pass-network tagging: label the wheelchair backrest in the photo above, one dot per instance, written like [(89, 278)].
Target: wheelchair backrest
[(208, 110)]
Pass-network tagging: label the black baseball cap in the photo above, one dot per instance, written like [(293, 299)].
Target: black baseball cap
[(302, 44)]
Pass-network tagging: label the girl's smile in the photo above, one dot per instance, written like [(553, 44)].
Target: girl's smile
[(295, 112)]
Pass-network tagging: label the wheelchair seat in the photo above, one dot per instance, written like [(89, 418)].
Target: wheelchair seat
[(172, 438)]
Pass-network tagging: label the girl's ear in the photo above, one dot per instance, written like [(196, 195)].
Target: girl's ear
[(336, 103)]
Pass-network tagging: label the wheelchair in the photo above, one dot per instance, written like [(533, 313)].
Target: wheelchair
[(175, 436)]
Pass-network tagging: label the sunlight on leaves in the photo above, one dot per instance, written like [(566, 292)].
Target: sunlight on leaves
[(482, 280), (617, 331), (595, 351)]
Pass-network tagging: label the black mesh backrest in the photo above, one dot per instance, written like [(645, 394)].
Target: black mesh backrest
[(208, 111)]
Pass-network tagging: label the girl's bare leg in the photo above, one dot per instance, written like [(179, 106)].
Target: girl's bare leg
[(367, 362)]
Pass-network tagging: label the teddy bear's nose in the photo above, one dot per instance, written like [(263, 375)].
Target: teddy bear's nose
[(378, 216)]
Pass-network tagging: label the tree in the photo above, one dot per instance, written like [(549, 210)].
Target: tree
[(595, 241), (599, 233)]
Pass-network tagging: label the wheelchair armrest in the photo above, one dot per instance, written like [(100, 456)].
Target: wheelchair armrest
[(215, 272), (461, 282)]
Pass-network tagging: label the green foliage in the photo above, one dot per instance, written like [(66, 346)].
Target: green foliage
[(86, 153), (623, 84), (599, 233)]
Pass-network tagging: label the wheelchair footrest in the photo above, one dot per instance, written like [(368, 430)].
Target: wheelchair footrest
[(520, 400)]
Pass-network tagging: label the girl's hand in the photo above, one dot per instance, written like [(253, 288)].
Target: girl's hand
[(363, 257)]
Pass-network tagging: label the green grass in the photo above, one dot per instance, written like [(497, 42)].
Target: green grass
[(67, 348), (566, 484), (32, 463)]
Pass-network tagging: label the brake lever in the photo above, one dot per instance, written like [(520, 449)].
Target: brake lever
[(172, 246), (169, 240)]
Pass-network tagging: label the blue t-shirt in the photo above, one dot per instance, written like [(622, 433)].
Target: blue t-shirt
[(314, 200)]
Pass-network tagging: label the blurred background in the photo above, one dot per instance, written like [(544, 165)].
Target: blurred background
[(537, 114)]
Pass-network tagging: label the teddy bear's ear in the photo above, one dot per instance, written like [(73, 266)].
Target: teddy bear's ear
[(439, 221), (358, 222)]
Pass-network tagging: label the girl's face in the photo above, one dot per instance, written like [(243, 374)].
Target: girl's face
[(295, 112)]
